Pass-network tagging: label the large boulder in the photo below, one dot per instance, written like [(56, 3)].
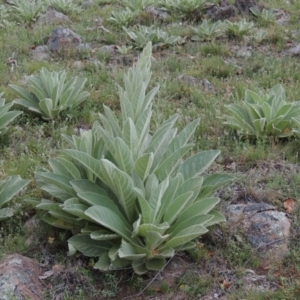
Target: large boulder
[(19, 279), (264, 228), (63, 38)]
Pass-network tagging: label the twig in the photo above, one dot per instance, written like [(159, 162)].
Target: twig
[(12, 62)]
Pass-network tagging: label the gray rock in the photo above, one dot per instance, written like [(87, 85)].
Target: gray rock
[(259, 283), (33, 227), (84, 47), (40, 52), (203, 83), (244, 53), (265, 229), (174, 269), (87, 3), (294, 50), (79, 65), (52, 16), (244, 5), (282, 17), (63, 38), (109, 49), (91, 63), (156, 13), (216, 12), (19, 279)]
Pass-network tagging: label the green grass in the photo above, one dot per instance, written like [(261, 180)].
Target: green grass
[(31, 141)]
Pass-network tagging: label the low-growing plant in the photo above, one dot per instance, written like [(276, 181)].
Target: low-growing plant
[(126, 190), (124, 50), (262, 114), (138, 5), (6, 116), (4, 16), (123, 17), (183, 8), (238, 29), (217, 67), (49, 93), (26, 11), (265, 17), (259, 35), (158, 37), (9, 187), (208, 31), (64, 6)]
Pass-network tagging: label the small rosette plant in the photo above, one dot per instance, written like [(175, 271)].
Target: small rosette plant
[(159, 38), (262, 114), (184, 8), (126, 191), (49, 93)]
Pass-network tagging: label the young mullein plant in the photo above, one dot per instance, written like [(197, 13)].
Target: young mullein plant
[(127, 191), (124, 50), (238, 29), (208, 31), (138, 5), (265, 17), (123, 17), (156, 36), (6, 116), (4, 17), (49, 93), (262, 115), (26, 11), (9, 187), (183, 8), (64, 6), (259, 35)]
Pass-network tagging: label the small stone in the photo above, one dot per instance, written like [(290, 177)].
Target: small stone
[(216, 12), (282, 17), (40, 52), (109, 49), (84, 47), (244, 53), (32, 226), (294, 51), (254, 282), (78, 65), (87, 3), (156, 13), (203, 83)]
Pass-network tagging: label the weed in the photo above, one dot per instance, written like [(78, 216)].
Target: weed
[(194, 285), (110, 282), (217, 67), (215, 49)]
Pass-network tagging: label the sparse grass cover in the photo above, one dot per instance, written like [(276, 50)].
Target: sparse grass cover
[(252, 56)]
